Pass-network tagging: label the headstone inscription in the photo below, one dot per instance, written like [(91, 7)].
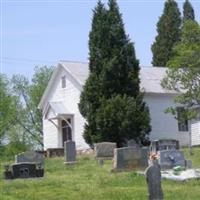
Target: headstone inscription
[(153, 179), (171, 158), (69, 152)]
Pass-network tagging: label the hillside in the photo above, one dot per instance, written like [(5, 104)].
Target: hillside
[(86, 180)]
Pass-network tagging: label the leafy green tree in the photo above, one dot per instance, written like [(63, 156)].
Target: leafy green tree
[(184, 70), (113, 83), (168, 28), (38, 85), (188, 11), (28, 96), (7, 106)]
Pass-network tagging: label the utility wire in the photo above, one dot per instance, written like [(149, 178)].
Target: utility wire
[(9, 59)]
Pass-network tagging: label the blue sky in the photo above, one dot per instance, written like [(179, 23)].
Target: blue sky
[(43, 32)]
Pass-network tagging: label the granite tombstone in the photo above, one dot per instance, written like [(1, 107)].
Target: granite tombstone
[(30, 156), (28, 164), (104, 150), (153, 179), (126, 158), (168, 159), (69, 152)]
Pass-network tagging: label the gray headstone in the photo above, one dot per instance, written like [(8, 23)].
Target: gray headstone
[(132, 143), (171, 158), (144, 157), (153, 178), (104, 149), (169, 144), (126, 158), (69, 152), (188, 164), (29, 156), (164, 144)]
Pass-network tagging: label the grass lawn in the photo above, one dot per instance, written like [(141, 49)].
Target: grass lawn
[(86, 180)]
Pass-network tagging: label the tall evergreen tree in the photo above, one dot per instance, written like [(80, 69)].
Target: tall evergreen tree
[(188, 11), (168, 28), (90, 96), (111, 101), (121, 69)]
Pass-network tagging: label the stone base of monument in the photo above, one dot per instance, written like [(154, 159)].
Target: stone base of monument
[(182, 176), (23, 170)]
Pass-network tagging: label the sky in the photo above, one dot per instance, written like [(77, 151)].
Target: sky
[(43, 32)]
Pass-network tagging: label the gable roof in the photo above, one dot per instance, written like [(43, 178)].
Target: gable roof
[(150, 77), (58, 109), (79, 70)]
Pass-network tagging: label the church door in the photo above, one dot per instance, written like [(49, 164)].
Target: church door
[(66, 131)]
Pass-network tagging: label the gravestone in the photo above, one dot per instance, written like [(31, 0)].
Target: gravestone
[(104, 150), (144, 157), (23, 170), (168, 159), (69, 152), (164, 144), (168, 154), (126, 158), (153, 178), (28, 164), (30, 156), (132, 143)]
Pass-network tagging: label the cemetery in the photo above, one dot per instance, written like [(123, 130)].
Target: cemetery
[(109, 127), (111, 172)]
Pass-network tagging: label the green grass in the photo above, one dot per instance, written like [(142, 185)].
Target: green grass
[(86, 180)]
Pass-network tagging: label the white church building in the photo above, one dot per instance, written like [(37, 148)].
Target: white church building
[(62, 119)]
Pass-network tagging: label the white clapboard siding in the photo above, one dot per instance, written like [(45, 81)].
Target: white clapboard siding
[(50, 134), (69, 96), (195, 133), (163, 125)]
